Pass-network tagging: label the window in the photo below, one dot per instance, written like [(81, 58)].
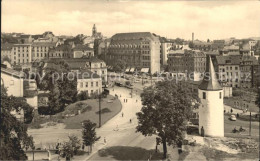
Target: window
[(81, 84), (86, 84), (236, 68), (91, 84), (204, 95), (91, 91), (220, 95), (97, 84)]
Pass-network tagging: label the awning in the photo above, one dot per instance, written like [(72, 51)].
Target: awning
[(127, 69), (132, 69), (145, 70)]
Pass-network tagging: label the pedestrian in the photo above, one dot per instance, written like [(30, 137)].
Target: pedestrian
[(202, 131), (122, 114), (237, 115), (231, 110), (130, 120), (126, 100), (224, 111), (83, 147), (105, 141), (136, 100)]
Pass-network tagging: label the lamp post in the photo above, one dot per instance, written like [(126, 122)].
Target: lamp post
[(99, 98)]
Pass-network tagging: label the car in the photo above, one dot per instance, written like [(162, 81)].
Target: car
[(233, 118)]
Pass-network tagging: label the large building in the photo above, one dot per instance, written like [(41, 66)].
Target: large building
[(40, 50), (140, 50), (94, 65), (167, 46), (80, 51), (89, 82), (21, 54), (229, 70), (191, 63)]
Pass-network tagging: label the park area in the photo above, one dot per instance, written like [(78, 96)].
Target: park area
[(74, 114)]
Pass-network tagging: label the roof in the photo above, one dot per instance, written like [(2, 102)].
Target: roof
[(12, 72), (231, 47), (210, 81), (74, 63), (134, 36), (37, 36), (231, 59), (25, 36), (49, 44), (86, 74), (80, 47), (6, 46), (214, 52)]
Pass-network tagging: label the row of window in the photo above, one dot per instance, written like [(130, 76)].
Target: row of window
[(86, 84)]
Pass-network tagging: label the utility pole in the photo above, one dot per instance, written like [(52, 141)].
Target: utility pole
[(250, 124), (99, 110)]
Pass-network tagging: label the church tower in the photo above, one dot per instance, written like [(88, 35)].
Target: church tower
[(94, 31), (211, 110)]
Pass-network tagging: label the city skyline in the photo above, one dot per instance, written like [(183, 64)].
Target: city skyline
[(213, 20)]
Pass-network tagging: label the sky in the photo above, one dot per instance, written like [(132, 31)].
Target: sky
[(171, 19)]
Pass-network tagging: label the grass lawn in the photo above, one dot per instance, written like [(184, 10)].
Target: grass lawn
[(89, 111), (113, 108)]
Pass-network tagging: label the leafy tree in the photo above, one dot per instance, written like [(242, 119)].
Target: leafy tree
[(82, 96), (67, 150), (13, 133), (166, 108), (119, 66), (89, 135), (62, 87), (75, 143)]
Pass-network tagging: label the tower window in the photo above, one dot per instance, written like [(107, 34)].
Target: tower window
[(204, 95), (220, 96)]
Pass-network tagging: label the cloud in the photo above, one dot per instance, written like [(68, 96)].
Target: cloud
[(214, 20)]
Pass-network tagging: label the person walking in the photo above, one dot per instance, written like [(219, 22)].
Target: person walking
[(122, 114), (126, 100), (130, 121), (105, 141)]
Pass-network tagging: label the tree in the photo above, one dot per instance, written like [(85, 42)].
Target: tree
[(75, 143), (119, 66), (13, 133), (89, 135), (166, 108), (62, 87)]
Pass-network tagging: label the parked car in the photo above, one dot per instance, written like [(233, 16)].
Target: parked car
[(233, 118)]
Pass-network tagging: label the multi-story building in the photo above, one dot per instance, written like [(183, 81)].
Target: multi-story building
[(89, 82), (167, 46), (138, 50), (191, 63), (249, 71), (80, 51), (101, 48), (6, 51), (61, 51), (21, 54), (230, 50), (40, 50), (229, 70), (95, 65)]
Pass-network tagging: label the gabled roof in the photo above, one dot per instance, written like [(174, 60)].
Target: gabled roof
[(210, 81), (86, 74), (134, 36), (12, 72)]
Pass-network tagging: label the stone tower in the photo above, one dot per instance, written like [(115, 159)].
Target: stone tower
[(211, 110), (94, 31)]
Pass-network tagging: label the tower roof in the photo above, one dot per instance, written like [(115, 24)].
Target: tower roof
[(210, 81)]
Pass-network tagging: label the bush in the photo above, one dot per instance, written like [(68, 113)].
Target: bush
[(43, 110), (82, 96), (35, 126), (104, 110)]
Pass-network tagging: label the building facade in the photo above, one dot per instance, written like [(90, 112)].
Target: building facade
[(138, 50), (6, 51), (41, 50), (89, 82), (21, 54), (191, 63)]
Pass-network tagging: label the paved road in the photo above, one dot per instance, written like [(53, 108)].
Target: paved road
[(119, 131)]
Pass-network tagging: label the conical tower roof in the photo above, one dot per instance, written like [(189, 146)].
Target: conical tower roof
[(210, 81)]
